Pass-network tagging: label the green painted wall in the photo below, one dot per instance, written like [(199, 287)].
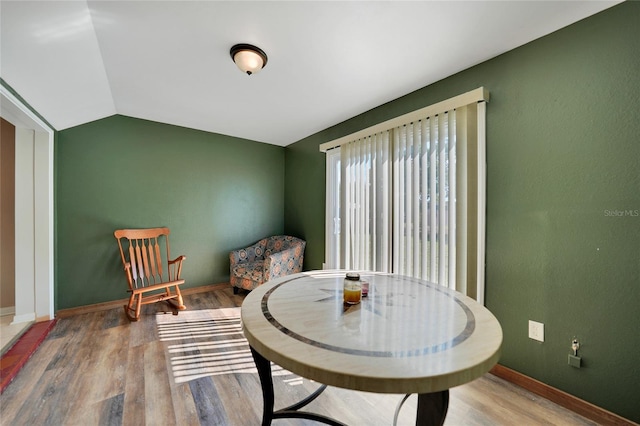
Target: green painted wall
[(563, 157), (216, 193)]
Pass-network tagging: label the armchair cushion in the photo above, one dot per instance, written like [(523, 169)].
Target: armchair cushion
[(269, 258), (249, 254)]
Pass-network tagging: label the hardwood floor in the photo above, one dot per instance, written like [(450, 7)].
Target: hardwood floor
[(99, 369)]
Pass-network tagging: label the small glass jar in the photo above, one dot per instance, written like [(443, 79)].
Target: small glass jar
[(352, 288), (365, 288)]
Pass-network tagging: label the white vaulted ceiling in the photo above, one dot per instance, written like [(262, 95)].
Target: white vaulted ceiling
[(168, 61)]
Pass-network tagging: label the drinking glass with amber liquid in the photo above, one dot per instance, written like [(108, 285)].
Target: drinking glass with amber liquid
[(352, 288)]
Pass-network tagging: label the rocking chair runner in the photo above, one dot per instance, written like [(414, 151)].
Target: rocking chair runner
[(142, 260)]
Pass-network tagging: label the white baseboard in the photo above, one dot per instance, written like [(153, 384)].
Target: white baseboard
[(24, 318)]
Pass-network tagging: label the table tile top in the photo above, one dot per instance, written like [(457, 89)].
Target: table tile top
[(407, 336)]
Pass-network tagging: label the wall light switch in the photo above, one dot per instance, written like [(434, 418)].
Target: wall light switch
[(536, 331)]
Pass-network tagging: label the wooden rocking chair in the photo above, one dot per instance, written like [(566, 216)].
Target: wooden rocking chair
[(143, 269)]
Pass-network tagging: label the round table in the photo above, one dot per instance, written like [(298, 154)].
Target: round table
[(407, 336)]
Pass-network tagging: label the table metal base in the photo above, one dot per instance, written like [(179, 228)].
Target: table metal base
[(432, 407), (264, 371)]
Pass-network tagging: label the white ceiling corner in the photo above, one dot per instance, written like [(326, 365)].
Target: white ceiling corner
[(168, 61)]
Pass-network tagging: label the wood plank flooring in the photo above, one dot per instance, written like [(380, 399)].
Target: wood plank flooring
[(99, 369)]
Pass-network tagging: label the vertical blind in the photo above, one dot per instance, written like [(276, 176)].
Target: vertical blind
[(365, 212), (424, 217), (412, 199)]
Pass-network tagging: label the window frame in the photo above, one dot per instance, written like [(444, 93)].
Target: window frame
[(471, 233)]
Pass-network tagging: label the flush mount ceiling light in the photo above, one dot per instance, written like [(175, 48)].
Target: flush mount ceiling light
[(248, 58)]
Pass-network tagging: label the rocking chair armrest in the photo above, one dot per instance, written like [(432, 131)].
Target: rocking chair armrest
[(174, 273), (177, 259)]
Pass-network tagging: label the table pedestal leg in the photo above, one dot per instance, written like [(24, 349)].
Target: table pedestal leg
[(266, 381), (432, 408), (263, 366)]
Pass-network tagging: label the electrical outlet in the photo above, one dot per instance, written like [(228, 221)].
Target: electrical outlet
[(536, 331), (575, 361)]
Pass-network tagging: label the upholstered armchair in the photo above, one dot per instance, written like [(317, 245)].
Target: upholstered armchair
[(265, 260)]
